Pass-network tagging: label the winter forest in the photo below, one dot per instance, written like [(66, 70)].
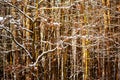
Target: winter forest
[(59, 40)]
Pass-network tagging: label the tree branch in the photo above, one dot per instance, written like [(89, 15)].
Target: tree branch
[(40, 56), (16, 42)]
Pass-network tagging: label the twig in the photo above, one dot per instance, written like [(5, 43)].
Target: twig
[(40, 56), (16, 41), (19, 11)]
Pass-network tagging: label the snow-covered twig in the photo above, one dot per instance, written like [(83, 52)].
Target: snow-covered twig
[(33, 20), (41, 55), (19, 11), (5, 28), (8, 51)]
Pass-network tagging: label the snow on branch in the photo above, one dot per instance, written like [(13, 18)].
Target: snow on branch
[(6, 19), (19, 11), (41, 55), (1, 18), (5, 28), (33, 20)]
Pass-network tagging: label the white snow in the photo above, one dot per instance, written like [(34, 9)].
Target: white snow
[(1, 18), (56, 24)]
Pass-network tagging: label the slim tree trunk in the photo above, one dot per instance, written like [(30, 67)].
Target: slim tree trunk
[(105, 26), (13, 44), (5, 74), (74, 42), (35, 40), (24, 37), (28, 38), (85, 49)]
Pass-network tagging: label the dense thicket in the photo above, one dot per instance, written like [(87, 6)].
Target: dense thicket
[(60, 39)]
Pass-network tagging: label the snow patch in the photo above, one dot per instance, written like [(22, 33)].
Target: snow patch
[(1, 18), (56, 24)]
